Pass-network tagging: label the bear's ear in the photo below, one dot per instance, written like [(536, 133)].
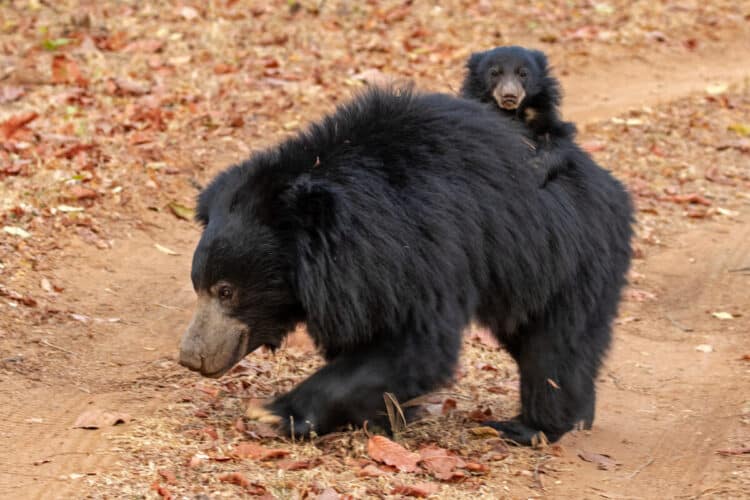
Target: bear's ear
[(211, 194), (540, 58), (310, 202)]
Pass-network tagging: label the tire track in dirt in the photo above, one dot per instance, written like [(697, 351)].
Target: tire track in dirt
[(674, 407), (152, 293)]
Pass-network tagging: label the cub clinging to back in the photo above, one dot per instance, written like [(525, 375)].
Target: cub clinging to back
[(516, 81)]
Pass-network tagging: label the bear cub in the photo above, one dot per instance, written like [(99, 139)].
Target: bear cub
[(517, 82)]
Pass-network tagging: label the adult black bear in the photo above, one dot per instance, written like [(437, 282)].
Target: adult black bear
[(387, 227)]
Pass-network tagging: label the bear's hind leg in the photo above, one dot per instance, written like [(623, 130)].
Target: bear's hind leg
[(558, 371)]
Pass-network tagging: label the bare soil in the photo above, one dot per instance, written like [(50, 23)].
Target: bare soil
[(665, 408)]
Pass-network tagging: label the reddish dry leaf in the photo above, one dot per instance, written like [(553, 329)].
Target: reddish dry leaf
[(148, 45), (161, 490), (168, 476), (66, 70), (223, 69), (745, 357), (480, 415), (298, 464), (26, 300), (448, 406), (418, 490), (441, 463), (328, 494), (692, 198), (82, 193), (126, 86), (371, 470), (477, 468), (734, 451), (10, 93), (240, 480), (257, 452), (94, 419), (603, 462), (384, 450), (15, 123), (141, 138), (73, 150)]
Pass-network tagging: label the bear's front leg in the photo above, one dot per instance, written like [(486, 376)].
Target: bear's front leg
[(350, 388)]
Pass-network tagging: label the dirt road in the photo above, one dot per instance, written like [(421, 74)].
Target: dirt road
[(664, 407)]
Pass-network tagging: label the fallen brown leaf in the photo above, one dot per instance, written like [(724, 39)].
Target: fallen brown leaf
[(257, 452), (441, 463), (604, 462), (15, 123), (161, 490), (692, 198), (483, 432), (78, 192), (384, 450), (240, 480), (298, 464), (66, 70), (168, 476), (328, 494), (371, 470), (418, 490), (9, 93), (734, 451), (94, 419), (448, 406)]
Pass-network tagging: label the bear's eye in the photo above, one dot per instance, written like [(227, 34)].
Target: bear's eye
[(496, 71), (225, 292), (523, 73)]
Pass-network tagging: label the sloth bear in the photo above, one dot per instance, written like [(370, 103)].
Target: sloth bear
[(387, 227), (516, 82)]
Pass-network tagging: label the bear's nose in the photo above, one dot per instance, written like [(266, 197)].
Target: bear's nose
[(190, 358)]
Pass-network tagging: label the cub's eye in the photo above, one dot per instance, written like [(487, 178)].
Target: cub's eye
[(523, 73), (225, 292), (496, 71)]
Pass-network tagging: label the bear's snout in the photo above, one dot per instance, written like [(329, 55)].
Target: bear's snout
[(190, 358)]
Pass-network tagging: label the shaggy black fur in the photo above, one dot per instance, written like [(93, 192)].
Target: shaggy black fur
[(388, 226)]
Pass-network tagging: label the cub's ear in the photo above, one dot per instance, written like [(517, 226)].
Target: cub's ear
[(311, 203), (472, 64), (540, 58)]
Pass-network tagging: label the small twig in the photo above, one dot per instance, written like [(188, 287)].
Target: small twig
[(537, 477), (53, 346), (679, 325), (743, 270), (639, 469), (617, 382), (165, 306)]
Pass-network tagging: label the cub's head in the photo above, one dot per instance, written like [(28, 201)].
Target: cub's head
[(510, 77)]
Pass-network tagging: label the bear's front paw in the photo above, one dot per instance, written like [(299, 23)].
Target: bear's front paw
[(291, 420), (260, 413)]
